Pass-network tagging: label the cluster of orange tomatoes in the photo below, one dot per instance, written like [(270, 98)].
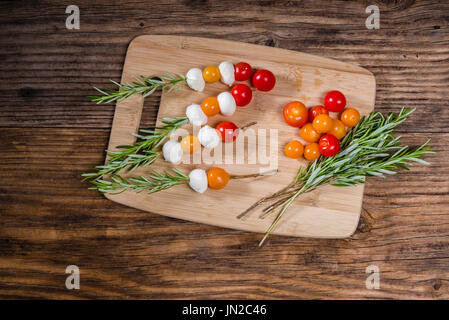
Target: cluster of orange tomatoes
[(318, 128)]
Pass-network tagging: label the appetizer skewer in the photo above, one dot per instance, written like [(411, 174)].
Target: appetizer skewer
[(198, 179), (195, 78), (208, 137)]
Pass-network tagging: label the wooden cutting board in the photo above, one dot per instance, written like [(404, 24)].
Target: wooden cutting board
[(329, 212)]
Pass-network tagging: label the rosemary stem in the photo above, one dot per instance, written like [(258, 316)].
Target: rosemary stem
[(279, 216), (253, 175), (264, 199), (246, 126)]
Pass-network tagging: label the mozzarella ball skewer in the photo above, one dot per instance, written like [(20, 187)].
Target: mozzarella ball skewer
[(208, 137), (227, 73), (195, 79), (196, 115), (172, 151), (227, 103)]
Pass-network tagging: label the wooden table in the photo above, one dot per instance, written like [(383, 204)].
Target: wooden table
[(50, 134)]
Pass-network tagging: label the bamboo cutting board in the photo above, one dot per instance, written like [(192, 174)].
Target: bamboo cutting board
[(329, 212)]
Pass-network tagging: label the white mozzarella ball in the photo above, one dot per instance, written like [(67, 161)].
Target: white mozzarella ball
[(172, 151), (198, 180), (227, 103), (227, 72), (195, 79), (196, 115), (208, 137)]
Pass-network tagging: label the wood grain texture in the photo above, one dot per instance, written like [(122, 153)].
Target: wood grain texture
[(51, 134), (329, 212)]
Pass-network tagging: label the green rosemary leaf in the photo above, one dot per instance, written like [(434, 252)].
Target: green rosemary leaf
[(142, 85), (141, 153), (155, 182)]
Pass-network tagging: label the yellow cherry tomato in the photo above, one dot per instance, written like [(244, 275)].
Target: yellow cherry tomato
[(190, 144), (322, 123), (217, 178), (309, 134), (210, 106), (211, 74), (294, 149), (350, 117), (338, 129), (312, 152)]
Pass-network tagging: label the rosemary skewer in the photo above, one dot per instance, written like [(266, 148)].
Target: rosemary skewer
[(155, 182), (141, 153), (143, 85), (369, 149)]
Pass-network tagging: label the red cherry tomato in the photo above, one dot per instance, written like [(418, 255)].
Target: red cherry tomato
[(242, 94), (313, 112), (264, 80), (329, 145), (335, 101), (228, 131), (242, 71)]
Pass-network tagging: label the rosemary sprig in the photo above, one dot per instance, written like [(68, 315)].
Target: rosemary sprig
[(155, 182), (142, 152), (369, 149), (143, 85)]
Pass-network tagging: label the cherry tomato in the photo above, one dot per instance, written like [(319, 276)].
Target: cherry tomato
[(295, 114), (294, 149), (338, 129), (322, 123), (309, 134), (350, 117), (264, 80), (190, 144), (217, 178), (210, 106), (242, 94), (313, 112), (334, 101), (211, 74), (312, 151), (329, 145), (228, 131), (242, 71)]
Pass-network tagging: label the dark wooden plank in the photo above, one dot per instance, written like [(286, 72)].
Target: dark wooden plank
[(47, 71), (50, 220), (50, 134)]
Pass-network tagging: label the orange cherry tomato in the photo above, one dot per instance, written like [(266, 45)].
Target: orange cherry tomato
[(295, 114), (211, 74), (210, 106), (313, 112), (338, 129), (312, 151), (350, 117), (190, 144), (309, 134), (294, 149), (217, 178), (322, 123)]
